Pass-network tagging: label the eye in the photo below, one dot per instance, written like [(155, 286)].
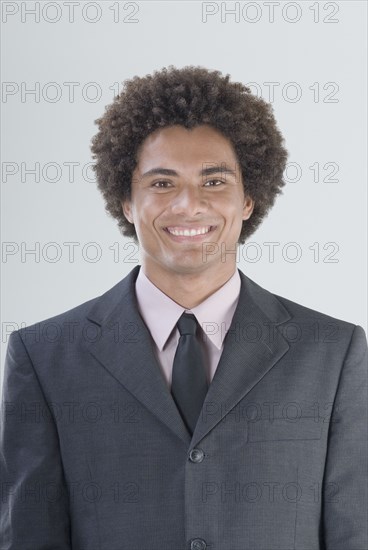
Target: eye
[(218, 183), (162, 184)]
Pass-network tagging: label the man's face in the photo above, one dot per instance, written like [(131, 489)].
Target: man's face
[(181, 197)]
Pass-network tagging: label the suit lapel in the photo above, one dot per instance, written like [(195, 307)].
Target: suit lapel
[(252, 346), (125, 348)]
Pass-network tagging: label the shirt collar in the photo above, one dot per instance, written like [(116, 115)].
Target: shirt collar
[(161, 313)]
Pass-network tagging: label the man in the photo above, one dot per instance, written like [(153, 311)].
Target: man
[(187, 407)]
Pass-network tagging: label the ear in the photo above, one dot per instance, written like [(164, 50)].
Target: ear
[(247, 208), (127, 210)]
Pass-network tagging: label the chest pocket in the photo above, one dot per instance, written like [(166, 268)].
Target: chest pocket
[(282, 429)]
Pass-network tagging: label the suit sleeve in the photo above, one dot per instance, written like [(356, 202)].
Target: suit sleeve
[(34, 501), (344, 492)]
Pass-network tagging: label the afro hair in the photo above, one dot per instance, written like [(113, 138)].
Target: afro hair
[(190, 97)]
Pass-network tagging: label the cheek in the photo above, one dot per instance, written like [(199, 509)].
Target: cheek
[(148, 211), (230, 209)]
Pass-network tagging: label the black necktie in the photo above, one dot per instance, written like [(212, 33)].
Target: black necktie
[(189, 384)]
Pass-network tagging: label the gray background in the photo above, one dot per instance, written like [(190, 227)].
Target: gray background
[(317, 49)]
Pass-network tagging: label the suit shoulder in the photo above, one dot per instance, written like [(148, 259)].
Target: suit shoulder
[(300, 311), (52, 324), (58, 327), (79, 312), (347, 333)]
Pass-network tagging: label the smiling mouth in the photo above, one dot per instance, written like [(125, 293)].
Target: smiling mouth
[(189, 232)]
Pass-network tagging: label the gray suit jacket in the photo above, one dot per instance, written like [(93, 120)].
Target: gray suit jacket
[(95, 455)]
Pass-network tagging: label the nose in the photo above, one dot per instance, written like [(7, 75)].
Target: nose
[(189, 201)]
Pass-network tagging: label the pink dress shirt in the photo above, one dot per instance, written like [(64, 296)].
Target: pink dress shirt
[(160, 314)]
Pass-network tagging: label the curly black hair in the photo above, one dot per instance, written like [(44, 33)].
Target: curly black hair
[(190, 96)]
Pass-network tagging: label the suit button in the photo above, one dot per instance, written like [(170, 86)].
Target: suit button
[(198, 544), (196, 455)]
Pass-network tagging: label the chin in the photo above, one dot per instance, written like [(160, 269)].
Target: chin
[(189, 266)]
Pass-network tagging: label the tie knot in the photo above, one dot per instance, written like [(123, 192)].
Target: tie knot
[(187, 324)]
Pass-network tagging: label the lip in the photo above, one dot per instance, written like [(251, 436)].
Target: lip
[(188, 238)]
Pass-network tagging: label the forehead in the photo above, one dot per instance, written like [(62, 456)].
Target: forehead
[(181, 145)]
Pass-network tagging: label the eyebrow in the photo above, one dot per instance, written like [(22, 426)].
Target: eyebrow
[(204, 172)]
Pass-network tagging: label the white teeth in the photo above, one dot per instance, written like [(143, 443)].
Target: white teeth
[(188, 232)]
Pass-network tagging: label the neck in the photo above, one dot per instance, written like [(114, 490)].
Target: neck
[(189, 289)]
